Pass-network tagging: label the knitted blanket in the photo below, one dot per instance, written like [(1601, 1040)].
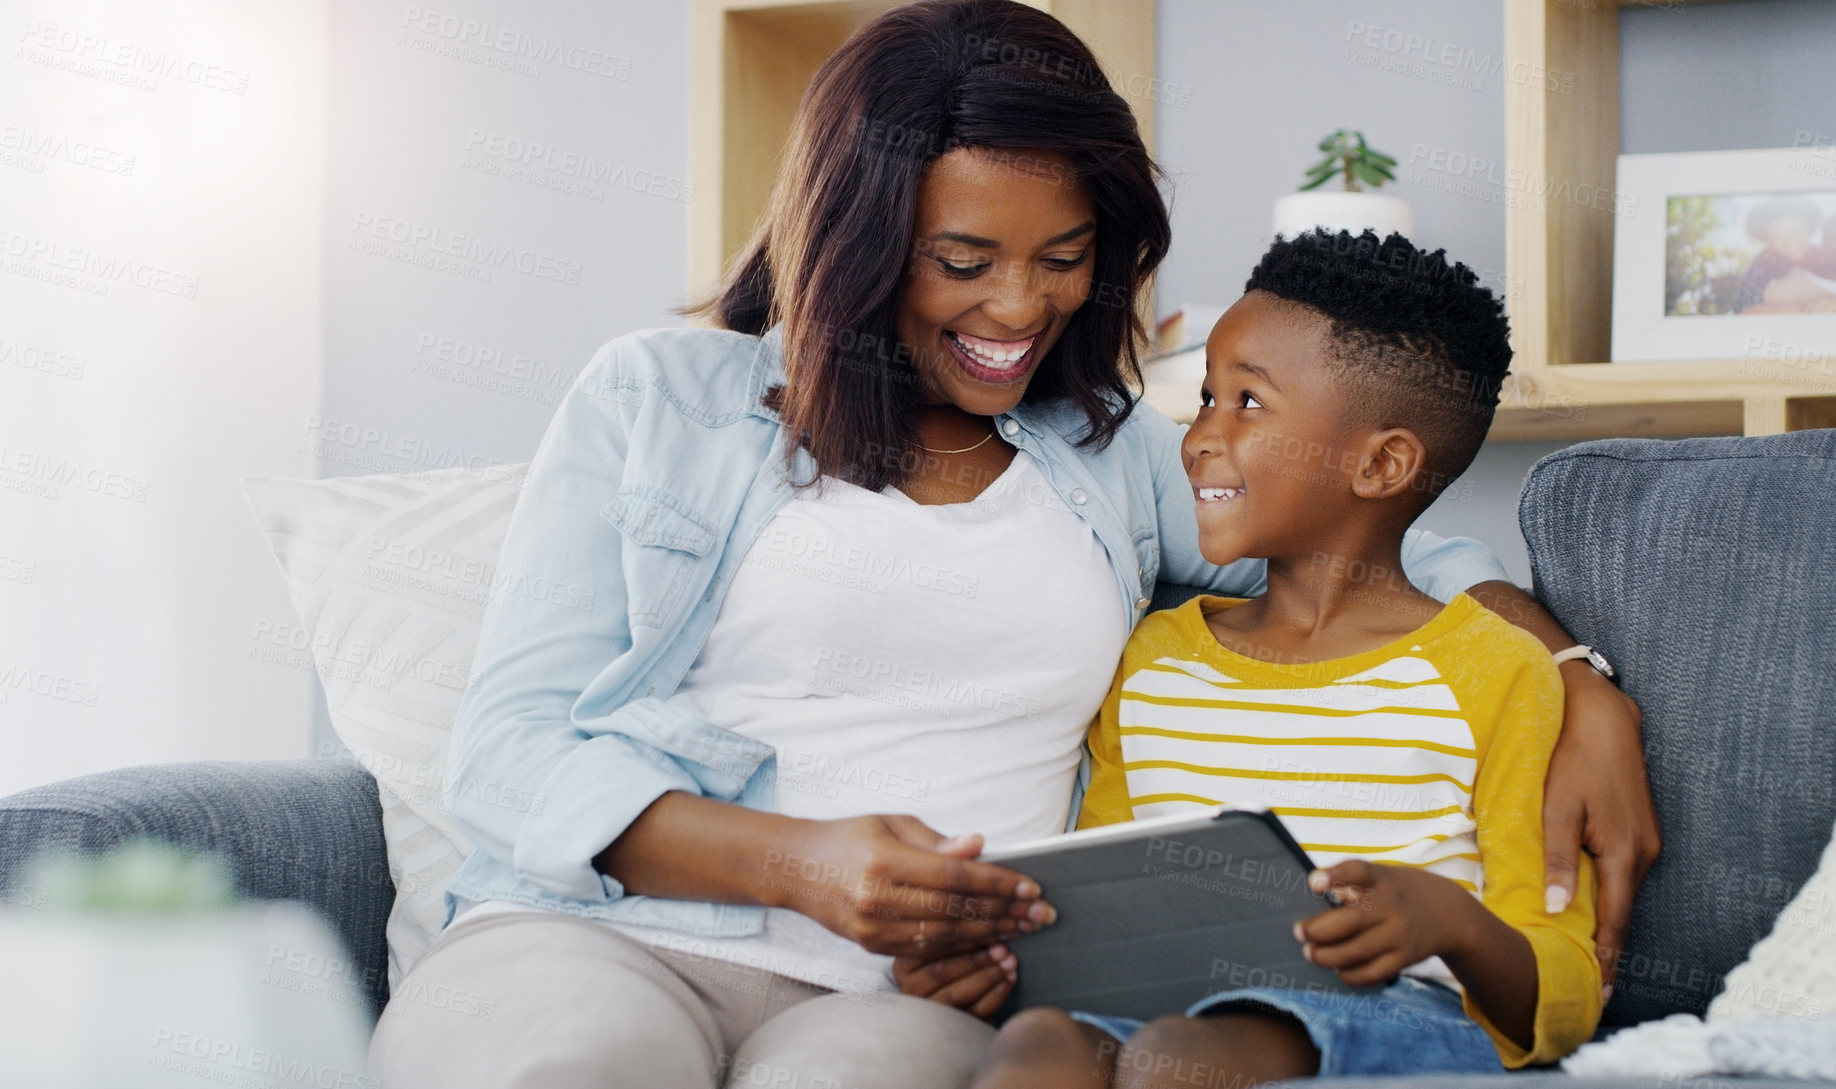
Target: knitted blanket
[(1775, 1016)]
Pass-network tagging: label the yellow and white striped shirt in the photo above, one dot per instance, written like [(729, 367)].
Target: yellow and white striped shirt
[(1429, 751)]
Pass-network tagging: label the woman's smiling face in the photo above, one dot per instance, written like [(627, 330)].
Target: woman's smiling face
[(1001, 258)]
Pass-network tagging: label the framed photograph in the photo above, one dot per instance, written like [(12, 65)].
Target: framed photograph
[(1718, 254)]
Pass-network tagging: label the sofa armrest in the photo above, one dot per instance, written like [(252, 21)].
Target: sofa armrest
[(305, 830)]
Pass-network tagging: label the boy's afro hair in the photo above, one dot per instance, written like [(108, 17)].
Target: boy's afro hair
[(1418, 342)]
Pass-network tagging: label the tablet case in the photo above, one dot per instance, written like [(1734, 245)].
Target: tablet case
[(1149, 925)]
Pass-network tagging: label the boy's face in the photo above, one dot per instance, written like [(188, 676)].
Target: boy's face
[(1267, 457)]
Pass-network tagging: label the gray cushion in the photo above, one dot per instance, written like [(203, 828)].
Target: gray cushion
[(1171, 595), (306, 830), (1702, 569)]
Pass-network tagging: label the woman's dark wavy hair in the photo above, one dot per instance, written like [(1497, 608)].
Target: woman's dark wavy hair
[(830, 257)]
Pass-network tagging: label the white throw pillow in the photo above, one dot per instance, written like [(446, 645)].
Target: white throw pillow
[(390, 576)]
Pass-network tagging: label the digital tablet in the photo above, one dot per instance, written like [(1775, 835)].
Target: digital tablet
[(1155, 914)]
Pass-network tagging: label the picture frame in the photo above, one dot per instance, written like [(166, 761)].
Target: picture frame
[(1725, 254)]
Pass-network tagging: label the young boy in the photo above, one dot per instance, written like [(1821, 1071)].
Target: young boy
[(1402, 741)]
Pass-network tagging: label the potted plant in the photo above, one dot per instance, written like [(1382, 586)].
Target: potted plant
[(1349, 206)]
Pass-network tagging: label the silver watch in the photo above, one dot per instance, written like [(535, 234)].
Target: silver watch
[(1593, 657)]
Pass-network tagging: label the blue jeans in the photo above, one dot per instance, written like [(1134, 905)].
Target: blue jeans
[(1412, 1026)]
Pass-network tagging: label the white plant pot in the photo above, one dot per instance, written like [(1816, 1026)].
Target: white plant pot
[(1338, 210), (257, 994)]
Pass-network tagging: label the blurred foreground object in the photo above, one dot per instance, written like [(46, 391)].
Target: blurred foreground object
[(141, 967)]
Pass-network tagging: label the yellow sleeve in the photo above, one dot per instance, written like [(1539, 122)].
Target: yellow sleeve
[(1106, 800), (1508, 807)]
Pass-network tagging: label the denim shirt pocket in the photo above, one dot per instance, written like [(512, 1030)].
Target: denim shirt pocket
[(672, 540)]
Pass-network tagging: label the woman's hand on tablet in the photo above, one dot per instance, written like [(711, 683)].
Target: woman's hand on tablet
[(976, 982), (896, 886)]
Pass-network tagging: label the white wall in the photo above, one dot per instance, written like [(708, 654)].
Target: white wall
[(1710, 77), (160, 170), (569, 159), (359, 123), (446, 141)]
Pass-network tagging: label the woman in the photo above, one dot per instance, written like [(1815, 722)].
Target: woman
[(862, 565)]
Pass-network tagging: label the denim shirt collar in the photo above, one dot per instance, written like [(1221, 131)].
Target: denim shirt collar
[(767, 371)]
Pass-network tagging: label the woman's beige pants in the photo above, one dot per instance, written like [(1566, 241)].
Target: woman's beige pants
[(549, 1001)]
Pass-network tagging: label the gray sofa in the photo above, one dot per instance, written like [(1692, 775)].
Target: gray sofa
[(1701, 566)]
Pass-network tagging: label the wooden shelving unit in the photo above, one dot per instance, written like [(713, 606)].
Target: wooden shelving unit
[(751, 60), (1560, 148), (1561, 252)]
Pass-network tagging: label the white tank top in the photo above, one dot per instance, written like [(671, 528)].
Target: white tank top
[(942, 661)]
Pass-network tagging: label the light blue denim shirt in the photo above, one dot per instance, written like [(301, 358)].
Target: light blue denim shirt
[(657, 473)]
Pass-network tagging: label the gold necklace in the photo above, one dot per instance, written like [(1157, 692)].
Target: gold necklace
[(964, 450)]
